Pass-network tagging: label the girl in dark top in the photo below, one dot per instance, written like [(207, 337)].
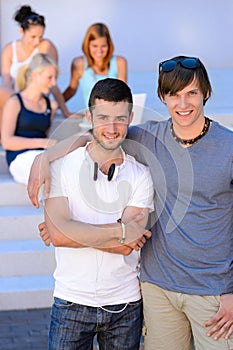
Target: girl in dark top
[(27, 116)]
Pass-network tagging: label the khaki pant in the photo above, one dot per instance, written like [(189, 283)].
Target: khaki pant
[(174, 320)]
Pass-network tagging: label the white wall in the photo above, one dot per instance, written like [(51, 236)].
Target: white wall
[(144, 31)]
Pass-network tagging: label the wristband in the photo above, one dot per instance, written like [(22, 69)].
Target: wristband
[(123, 228)]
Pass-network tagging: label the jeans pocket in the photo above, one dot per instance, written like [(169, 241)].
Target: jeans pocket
[(62, 303)]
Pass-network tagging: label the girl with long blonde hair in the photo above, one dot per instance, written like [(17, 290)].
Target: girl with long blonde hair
[(28, 114)]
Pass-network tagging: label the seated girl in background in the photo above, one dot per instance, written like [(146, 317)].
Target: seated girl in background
[(27, 116), (97, 63), (18, 53)]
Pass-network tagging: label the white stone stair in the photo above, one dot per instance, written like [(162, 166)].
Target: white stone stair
[(12, 193), (26, 292), (26, 264), (14, 220), (18, 258)]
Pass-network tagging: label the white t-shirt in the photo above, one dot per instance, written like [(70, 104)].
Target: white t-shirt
[(90, 276)]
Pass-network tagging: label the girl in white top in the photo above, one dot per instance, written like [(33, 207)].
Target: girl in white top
[(18, 53)]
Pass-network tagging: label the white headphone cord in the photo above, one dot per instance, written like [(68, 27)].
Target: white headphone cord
[(114, 312)]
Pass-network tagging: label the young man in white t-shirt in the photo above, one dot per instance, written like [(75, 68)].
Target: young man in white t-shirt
[(96, 277)]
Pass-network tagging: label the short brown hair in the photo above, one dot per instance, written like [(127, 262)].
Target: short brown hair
[(111, 90), (178, 78)]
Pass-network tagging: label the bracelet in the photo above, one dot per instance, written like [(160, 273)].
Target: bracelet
[(122, 239)]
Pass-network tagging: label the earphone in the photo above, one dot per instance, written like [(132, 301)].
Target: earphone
[(110, 171), (95, 171)]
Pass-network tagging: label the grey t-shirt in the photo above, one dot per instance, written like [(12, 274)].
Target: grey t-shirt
[(191, 249)]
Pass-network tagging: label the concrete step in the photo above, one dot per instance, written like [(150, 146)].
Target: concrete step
[(63, 128), (12, 193), (20, 222), (26, 257), (224, 119), (3, 163), (28, 292)]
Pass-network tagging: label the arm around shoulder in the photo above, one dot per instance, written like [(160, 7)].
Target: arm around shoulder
[(40, 171)]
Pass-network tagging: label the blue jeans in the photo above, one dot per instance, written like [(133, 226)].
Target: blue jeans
[(74, 326)]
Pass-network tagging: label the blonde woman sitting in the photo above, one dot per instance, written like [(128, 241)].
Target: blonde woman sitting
[(28, 114)]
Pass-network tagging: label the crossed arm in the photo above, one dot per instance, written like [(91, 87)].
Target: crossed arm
[(60, 229)]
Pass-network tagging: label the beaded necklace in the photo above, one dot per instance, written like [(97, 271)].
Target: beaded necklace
[(195, 139)]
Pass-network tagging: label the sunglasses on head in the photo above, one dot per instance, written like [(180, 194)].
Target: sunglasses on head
[(187, 62), (35, 19)]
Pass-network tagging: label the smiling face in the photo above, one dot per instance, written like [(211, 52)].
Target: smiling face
[(98, 48), (110, 121), (32, 36), (186, 109), (46, 79)]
